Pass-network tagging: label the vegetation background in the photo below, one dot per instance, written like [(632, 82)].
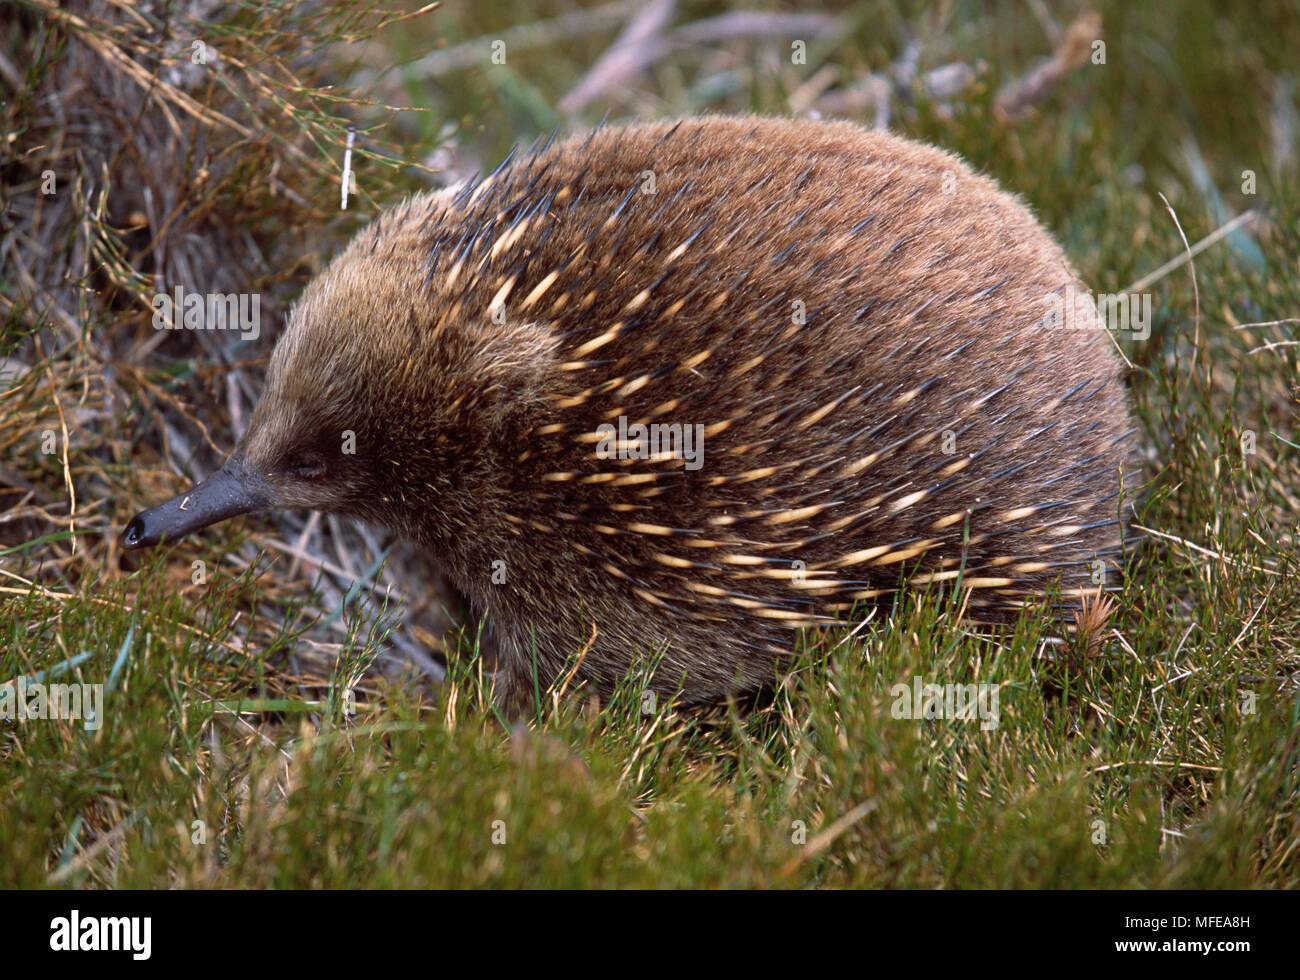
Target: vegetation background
[(276, 707)]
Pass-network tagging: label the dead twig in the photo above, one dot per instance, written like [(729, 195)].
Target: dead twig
[(1016, 97)]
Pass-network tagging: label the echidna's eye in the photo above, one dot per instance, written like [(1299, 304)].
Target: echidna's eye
[(306, 466)]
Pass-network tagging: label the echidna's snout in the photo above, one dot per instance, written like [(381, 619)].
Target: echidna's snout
[(232, 490)]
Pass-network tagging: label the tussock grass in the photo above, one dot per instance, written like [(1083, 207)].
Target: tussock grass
[(260, 728)]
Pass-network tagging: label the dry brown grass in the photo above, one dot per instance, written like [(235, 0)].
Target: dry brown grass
[(217, 169)]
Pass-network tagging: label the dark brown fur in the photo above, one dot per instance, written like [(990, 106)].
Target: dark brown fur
[(924, 288)]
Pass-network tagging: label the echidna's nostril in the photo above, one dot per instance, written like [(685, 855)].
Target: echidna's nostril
[(135, 533), (133, 536)]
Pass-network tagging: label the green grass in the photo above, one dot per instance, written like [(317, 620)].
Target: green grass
[(1113, 770), (231, 754)]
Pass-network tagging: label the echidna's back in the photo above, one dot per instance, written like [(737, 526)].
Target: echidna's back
[(857, 323)]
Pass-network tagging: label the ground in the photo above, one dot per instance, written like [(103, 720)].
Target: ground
[(269, 714)]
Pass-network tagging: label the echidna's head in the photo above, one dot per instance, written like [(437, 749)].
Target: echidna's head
[(386, 398)]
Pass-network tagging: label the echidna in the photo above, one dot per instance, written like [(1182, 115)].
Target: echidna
[(696, 384)]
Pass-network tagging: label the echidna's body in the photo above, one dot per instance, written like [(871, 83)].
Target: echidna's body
[(856, 321)]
